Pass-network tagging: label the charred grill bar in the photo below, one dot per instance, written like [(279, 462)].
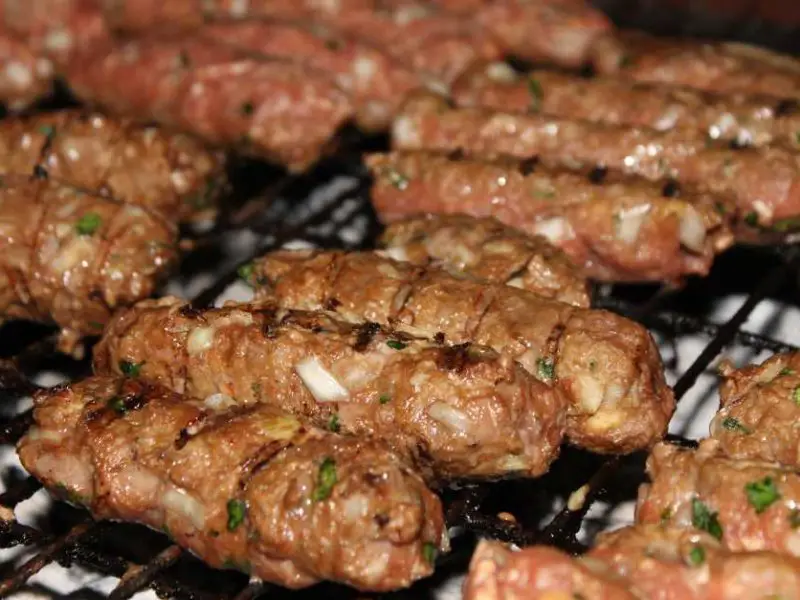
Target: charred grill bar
[(73, 538)]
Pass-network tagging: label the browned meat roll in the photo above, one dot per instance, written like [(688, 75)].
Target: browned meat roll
[(286, 502), (616, 229), (760, 409), (167, 172), (487, 250), (754, 120), (278, 110), (645, 562), (457, 411), (24, 77), (70, 257), (747, 505), (607, 366), (720, 67), (376, 82), (765, 182)]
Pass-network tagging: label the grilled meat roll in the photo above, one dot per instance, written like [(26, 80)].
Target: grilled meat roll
[(616, 229), (167, 172), (741, 118), (375, 81), (71, 257), (747, 505), (607, 366), (760, 409), (252, 489), (24, 77), (486, 249), (457, 411), (272, 108), (646, 562), (720, 67), (765, 183)]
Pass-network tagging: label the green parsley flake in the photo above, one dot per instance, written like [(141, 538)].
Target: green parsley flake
[(396, 344), (762, 494), (130, 369), (751, 219), (536, 93), (429, 552), (786, 225), (326, 479), (796, 395), (236, 512), (333, 423), (247, 109), (245, 272), (546, 369), (732, 424), (785, 371), (666, 515), (705, 520), (797, 137), (794, 518), (384, 399), (720, 207), (397, 179), (117, 404), (88, 223), (697, 556), (46, 130)]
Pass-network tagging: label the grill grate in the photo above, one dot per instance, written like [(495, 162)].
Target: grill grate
[(146, 559)]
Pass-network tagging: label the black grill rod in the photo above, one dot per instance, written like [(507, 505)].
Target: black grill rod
[(252, 590), (139, 576), (20, 492), (565, 524), (43, 557), (676, 324)]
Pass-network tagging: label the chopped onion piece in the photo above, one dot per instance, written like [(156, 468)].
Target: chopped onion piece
[(200, 340), (320, 382), (452, 417), (501, 72), (219, 401), (397, 253), (630, 221), (692, 230), (180, 501)]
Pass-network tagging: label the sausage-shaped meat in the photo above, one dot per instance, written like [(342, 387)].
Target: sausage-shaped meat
[(559, 32), (738, 117), (607, 366), (616, 229), (765, 182), (54, 29), (249, 489), (167, 172), (646, 562), (747, 505), (376, 82), (496, 572), (427, 40), (24, 77), (720, 67), (760, 409), (275, 109), (457, 411), (486, 249), (70, 257)]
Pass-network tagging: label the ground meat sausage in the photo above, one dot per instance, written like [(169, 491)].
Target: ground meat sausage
[(765, 182), (760, 406), (70, 257), (747, 505), (459, 412), (486, 249), (275, 109), (250, 489), (737, 117), (167, 172), (607, 366), (614, 228), (644, 562)]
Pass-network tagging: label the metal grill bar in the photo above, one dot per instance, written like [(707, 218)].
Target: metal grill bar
[(139, 576)]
